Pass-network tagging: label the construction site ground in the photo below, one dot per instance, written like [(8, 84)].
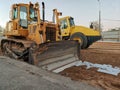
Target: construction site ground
[(18, 75), (100, 53)]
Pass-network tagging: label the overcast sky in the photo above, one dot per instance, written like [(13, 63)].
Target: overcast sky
[(83, 11)]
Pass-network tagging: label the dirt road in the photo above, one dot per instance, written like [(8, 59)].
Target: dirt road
[(101, 53)]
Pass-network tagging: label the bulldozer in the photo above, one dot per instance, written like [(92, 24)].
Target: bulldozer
[(69, 31), (35, 40)]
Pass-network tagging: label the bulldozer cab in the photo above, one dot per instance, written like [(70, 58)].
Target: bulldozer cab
[(23, 13), (20, 16), (66, 24)]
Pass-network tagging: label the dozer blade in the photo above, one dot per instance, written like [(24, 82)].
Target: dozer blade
[(52, 56)]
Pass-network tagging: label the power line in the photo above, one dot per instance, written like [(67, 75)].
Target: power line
[(111, 20)]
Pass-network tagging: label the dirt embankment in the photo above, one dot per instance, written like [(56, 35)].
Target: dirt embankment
[(101, 53)]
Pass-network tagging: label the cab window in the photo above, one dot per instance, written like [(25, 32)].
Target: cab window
[(23, 17), (33, 14), (71, 20), (23, 12), (15, 13), (63, 24)]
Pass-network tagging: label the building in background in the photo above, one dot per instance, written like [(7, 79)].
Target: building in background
[(112, 35)]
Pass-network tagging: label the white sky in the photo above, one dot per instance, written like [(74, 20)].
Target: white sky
[(83, 11)]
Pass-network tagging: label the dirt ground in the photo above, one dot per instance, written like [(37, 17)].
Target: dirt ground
[(101, 53)]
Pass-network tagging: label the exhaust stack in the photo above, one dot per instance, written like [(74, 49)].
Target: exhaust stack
[(43, 11)]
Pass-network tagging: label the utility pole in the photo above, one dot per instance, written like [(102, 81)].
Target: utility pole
[(100, 18), (119, 35)]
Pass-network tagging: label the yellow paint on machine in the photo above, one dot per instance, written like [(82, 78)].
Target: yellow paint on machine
[(70, 30), (86, 31)]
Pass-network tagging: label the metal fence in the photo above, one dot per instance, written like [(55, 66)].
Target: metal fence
[(111, 36)]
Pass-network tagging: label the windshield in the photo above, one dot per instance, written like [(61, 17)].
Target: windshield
[(33, 14), (23, 12), (71, 20), (63, 24), (23, 17)]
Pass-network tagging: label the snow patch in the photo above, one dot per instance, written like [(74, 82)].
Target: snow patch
[(109, 69)]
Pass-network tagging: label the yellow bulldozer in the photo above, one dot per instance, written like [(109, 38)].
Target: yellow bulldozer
[(32, 39), (69, 31)]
